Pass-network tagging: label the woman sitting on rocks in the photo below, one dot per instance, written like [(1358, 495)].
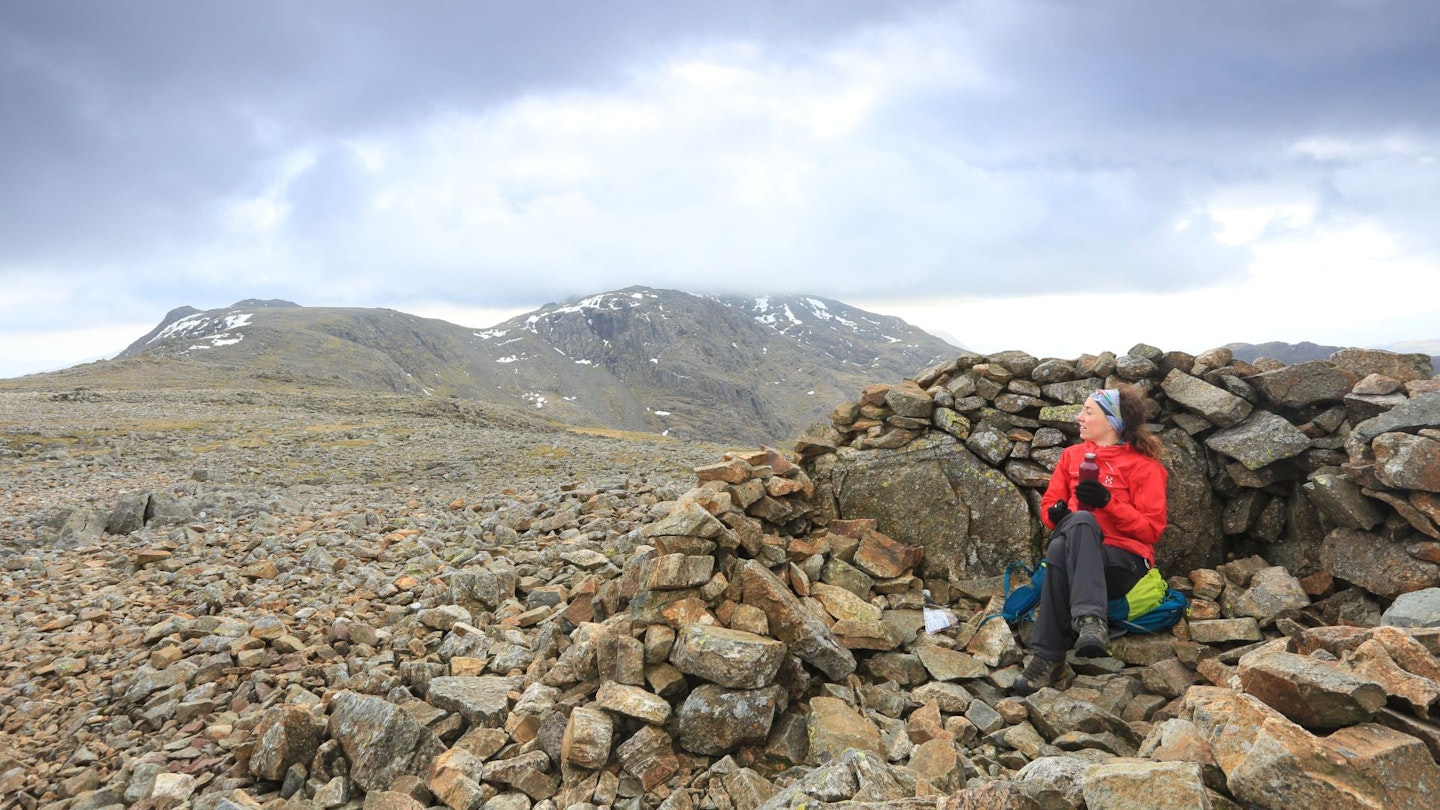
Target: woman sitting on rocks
[(1104, 531)]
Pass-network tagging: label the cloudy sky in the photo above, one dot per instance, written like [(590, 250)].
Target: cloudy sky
[(1053, 176)]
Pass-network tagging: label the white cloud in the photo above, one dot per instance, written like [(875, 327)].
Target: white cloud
[(63, 347), (1346, 288)]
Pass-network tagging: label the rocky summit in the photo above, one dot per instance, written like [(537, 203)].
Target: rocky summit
[(242, 599)]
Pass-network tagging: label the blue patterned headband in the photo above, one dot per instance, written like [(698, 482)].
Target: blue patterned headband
[(1109, 401)]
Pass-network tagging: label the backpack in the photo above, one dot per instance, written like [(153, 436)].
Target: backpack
[(1020, 602), (1149, 607)]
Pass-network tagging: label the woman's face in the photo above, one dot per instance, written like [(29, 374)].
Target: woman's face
[(1094, 427)]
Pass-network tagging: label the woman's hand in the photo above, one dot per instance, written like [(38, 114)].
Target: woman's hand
[(1092, 494), (1058, 511)]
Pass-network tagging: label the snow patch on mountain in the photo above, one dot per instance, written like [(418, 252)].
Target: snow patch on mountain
[(211, 332), (603, 302), (207, 327)]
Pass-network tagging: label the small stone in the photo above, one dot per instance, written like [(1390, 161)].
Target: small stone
[(835, 727), (1415, 609), (587, 738), (1221, 631), (633, 701), (171, 789)]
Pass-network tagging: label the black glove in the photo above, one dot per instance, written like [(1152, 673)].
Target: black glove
[(1092, 493), (1058, 511)]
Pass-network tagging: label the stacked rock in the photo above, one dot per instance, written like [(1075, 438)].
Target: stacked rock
[(1301, 463)]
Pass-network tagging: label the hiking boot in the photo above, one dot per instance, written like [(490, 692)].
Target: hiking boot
[(1037, 674), (1094, 640)]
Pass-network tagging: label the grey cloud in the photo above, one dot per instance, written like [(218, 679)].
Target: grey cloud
[(124, 123), (1087, 134)]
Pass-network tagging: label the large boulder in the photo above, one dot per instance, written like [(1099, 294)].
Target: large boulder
[(1305, 384), (1192, 539), (1261, 439), (1364, 362), (935, 494), (1376, 564), (381, 740), (1419, 412)]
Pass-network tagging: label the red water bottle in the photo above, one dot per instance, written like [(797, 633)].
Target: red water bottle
[(1089, 471)]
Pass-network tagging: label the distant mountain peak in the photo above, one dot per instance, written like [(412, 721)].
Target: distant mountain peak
[(262, 303), (724, 367), (612, 301)]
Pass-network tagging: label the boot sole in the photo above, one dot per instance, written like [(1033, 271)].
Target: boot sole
[(1092, 649)]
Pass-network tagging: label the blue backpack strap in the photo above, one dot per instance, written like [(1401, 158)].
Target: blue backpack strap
[(1005, 612)]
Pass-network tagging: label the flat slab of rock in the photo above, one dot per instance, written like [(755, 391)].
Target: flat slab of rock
[(950, 665), (1416, 609), (1138, 783), (1218, 406), (483, 700), (633, 701), (1376, 564), (1261, 439), (1311, 692)]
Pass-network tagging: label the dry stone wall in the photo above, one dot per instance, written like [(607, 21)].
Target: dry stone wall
[(1326, 466)]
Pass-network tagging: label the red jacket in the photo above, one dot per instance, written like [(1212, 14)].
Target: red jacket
[(1135, 516)]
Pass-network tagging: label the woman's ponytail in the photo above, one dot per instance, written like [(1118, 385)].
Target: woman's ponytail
[(1132, 411)]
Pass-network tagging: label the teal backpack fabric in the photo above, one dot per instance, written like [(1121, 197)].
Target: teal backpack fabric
[(1020, 602)]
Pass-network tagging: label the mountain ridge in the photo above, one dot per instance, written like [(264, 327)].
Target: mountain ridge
[(642, 359), (1305, 351)]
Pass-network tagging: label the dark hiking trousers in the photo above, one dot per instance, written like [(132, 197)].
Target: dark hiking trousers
[(1081, 575)]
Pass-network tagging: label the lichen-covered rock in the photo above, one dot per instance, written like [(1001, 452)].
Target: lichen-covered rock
[(936, 495), (381, 740), (1404, 461), (1218, 406), (1376, 564), (482, 700), (1263, 438), (1305, 384), (1130, 783), (289, 735), (730, 658), (714, 720)]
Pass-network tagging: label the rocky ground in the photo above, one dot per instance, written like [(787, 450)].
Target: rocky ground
[(295, 512), (248, 599)]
